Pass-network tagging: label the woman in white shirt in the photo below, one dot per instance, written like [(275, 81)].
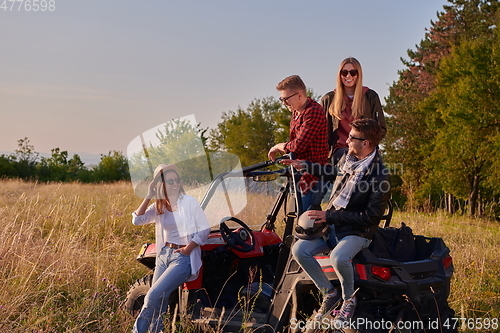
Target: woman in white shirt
[(181, 227)]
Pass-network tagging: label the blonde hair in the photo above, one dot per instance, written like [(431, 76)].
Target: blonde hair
[(339, 104)]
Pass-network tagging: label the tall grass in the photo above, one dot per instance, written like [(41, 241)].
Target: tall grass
[(67, 257)]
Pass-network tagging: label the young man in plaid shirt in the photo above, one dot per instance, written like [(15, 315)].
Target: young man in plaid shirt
[(308, 134)]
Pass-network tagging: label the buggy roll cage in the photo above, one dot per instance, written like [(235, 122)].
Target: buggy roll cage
[(254, 171)]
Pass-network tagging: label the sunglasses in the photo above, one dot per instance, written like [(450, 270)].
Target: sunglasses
[(172, 181), (355, 138), (283, 100), (353, 72)]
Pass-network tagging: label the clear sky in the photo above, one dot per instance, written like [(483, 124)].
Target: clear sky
[(91, 75)]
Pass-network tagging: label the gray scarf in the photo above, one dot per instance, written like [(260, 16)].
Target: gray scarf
[(356, 169)]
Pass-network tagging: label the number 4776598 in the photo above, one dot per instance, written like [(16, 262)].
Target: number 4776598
[(472, 323), (28, 5)]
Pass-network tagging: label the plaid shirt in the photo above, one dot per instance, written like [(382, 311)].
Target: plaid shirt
[(309, 139)]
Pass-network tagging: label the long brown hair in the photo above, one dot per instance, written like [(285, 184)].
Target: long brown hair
[(338, 104), (162, 201)]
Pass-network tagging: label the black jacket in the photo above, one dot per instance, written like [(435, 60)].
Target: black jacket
[(367, 203)]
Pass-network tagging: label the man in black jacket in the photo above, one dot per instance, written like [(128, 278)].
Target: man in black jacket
[(359, 196)]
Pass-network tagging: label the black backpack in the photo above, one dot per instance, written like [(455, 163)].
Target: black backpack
[(394, 243)]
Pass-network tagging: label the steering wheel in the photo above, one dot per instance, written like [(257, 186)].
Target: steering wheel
[(236, 240)]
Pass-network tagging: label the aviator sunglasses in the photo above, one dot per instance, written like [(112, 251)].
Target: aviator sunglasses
[(353, 72)]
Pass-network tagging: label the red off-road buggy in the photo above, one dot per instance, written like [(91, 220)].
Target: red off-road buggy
[(249, 280)]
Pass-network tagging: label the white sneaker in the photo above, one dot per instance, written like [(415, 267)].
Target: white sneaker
[(346, 312)]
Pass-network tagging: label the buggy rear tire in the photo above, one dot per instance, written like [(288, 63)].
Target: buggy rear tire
[(135, 295)]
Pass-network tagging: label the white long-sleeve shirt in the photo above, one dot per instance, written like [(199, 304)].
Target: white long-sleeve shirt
[(187, 224)]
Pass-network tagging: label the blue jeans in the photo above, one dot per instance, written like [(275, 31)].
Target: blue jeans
[(304, 251), (172, 270)]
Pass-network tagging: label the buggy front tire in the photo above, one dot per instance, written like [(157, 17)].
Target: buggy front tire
[(135, 295)]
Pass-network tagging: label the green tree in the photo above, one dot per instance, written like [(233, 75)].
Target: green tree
[(26, 158), (250, 133), (180, 142), (77, 169), (112, 167), (414, 122), (8, 166), (467, 120), (55, 167)]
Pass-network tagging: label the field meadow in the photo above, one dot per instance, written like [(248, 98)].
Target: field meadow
[(67, 257)]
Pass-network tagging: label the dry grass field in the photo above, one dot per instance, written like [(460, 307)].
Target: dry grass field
[(67, 257)]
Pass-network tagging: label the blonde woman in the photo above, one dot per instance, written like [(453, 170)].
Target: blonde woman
[(181, 227), (348, 102)]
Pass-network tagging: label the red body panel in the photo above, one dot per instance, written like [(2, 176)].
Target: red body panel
[(262, 238)]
